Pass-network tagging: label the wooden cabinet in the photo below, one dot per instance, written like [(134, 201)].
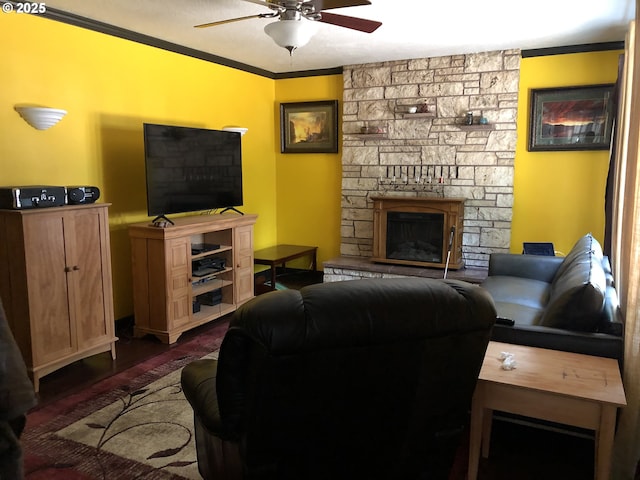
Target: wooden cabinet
[(55, 283), (190, 273)]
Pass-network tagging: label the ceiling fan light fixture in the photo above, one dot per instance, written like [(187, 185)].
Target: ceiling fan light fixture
[(291, 34)]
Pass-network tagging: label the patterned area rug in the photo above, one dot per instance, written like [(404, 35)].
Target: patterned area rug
[(135, 424)]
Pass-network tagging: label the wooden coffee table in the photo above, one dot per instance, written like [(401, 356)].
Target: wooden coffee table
[(281, 254), (562, 387)]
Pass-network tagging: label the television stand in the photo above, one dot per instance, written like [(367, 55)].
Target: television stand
[(168, 296), (160, 218), (231, 208)]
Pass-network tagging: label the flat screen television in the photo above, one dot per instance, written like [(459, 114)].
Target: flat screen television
[(191, 169)]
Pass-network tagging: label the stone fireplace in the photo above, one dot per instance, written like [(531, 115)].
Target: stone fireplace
[(418, 231), (431, 153)]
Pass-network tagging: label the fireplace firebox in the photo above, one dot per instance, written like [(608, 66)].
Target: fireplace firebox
[(418, 231)]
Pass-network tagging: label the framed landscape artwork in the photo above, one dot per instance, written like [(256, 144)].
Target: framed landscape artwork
[(309, 127), (571, 118)]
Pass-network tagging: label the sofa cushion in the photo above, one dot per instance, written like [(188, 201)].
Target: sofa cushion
[(521, 291), (577, 293), (585, 244), (519, 299)]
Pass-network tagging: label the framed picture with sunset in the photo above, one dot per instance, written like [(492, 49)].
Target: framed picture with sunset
[(309, 127), (571, 118)]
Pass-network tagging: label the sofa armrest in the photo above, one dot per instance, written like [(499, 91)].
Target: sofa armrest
[(598, 344), (536, 267), (198, 380), (612, 321)]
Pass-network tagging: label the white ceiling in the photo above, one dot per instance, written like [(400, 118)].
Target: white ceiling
[(410, 28)]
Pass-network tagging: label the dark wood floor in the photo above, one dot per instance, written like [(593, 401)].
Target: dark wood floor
[(129, 352)]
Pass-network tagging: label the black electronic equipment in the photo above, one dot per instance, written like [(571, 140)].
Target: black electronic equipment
[(195, 306), (212, 262), (191, 169), (202, 271), (82, 194), (207, 266), (197, 248), (210, 298), (538, 248), (34, 196)]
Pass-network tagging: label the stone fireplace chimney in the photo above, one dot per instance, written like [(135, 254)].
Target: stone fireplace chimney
[(392, 149)]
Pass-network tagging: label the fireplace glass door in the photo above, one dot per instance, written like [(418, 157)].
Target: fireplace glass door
[(415, 236)]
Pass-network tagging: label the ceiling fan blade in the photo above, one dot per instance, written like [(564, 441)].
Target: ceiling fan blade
[(361, 24), (222, 22), (329, 4)]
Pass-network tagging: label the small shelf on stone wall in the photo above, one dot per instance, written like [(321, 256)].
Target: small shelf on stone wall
[(405, 114), (371, 132), (368, 136), (487, 126)]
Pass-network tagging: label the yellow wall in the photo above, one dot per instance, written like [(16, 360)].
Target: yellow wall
[(559, 196), (110, 87), (309, 185)]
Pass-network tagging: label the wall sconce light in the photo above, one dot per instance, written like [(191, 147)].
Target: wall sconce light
[(40, 118), (240, 130)]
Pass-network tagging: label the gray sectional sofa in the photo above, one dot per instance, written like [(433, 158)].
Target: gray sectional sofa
[(562, 303)]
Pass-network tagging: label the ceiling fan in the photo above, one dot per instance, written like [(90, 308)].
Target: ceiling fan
[(296, 19)]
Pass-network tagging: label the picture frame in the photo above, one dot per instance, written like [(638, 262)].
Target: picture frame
[(571, 118), (309, 127)]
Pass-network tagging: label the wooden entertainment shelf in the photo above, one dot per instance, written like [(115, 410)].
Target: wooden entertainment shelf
[(174, 290)]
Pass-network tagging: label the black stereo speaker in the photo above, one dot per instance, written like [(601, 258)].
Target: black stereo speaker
[(80, 194), (33, 196)]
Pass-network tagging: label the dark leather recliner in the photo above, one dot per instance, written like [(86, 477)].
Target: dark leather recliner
[(364, 379)]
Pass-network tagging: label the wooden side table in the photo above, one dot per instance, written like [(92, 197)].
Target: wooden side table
[(569, 388), (281, 254)]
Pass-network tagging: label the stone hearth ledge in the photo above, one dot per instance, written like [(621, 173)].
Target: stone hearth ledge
[(354, 268)]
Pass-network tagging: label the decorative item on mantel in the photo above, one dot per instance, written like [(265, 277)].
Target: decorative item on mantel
[(420, 110), (424, 108), (367, 129), (418, 178), (468, 119), (474, 122)]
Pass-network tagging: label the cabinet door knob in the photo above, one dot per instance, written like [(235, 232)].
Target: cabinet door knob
[(76, 267), (67, 269)]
